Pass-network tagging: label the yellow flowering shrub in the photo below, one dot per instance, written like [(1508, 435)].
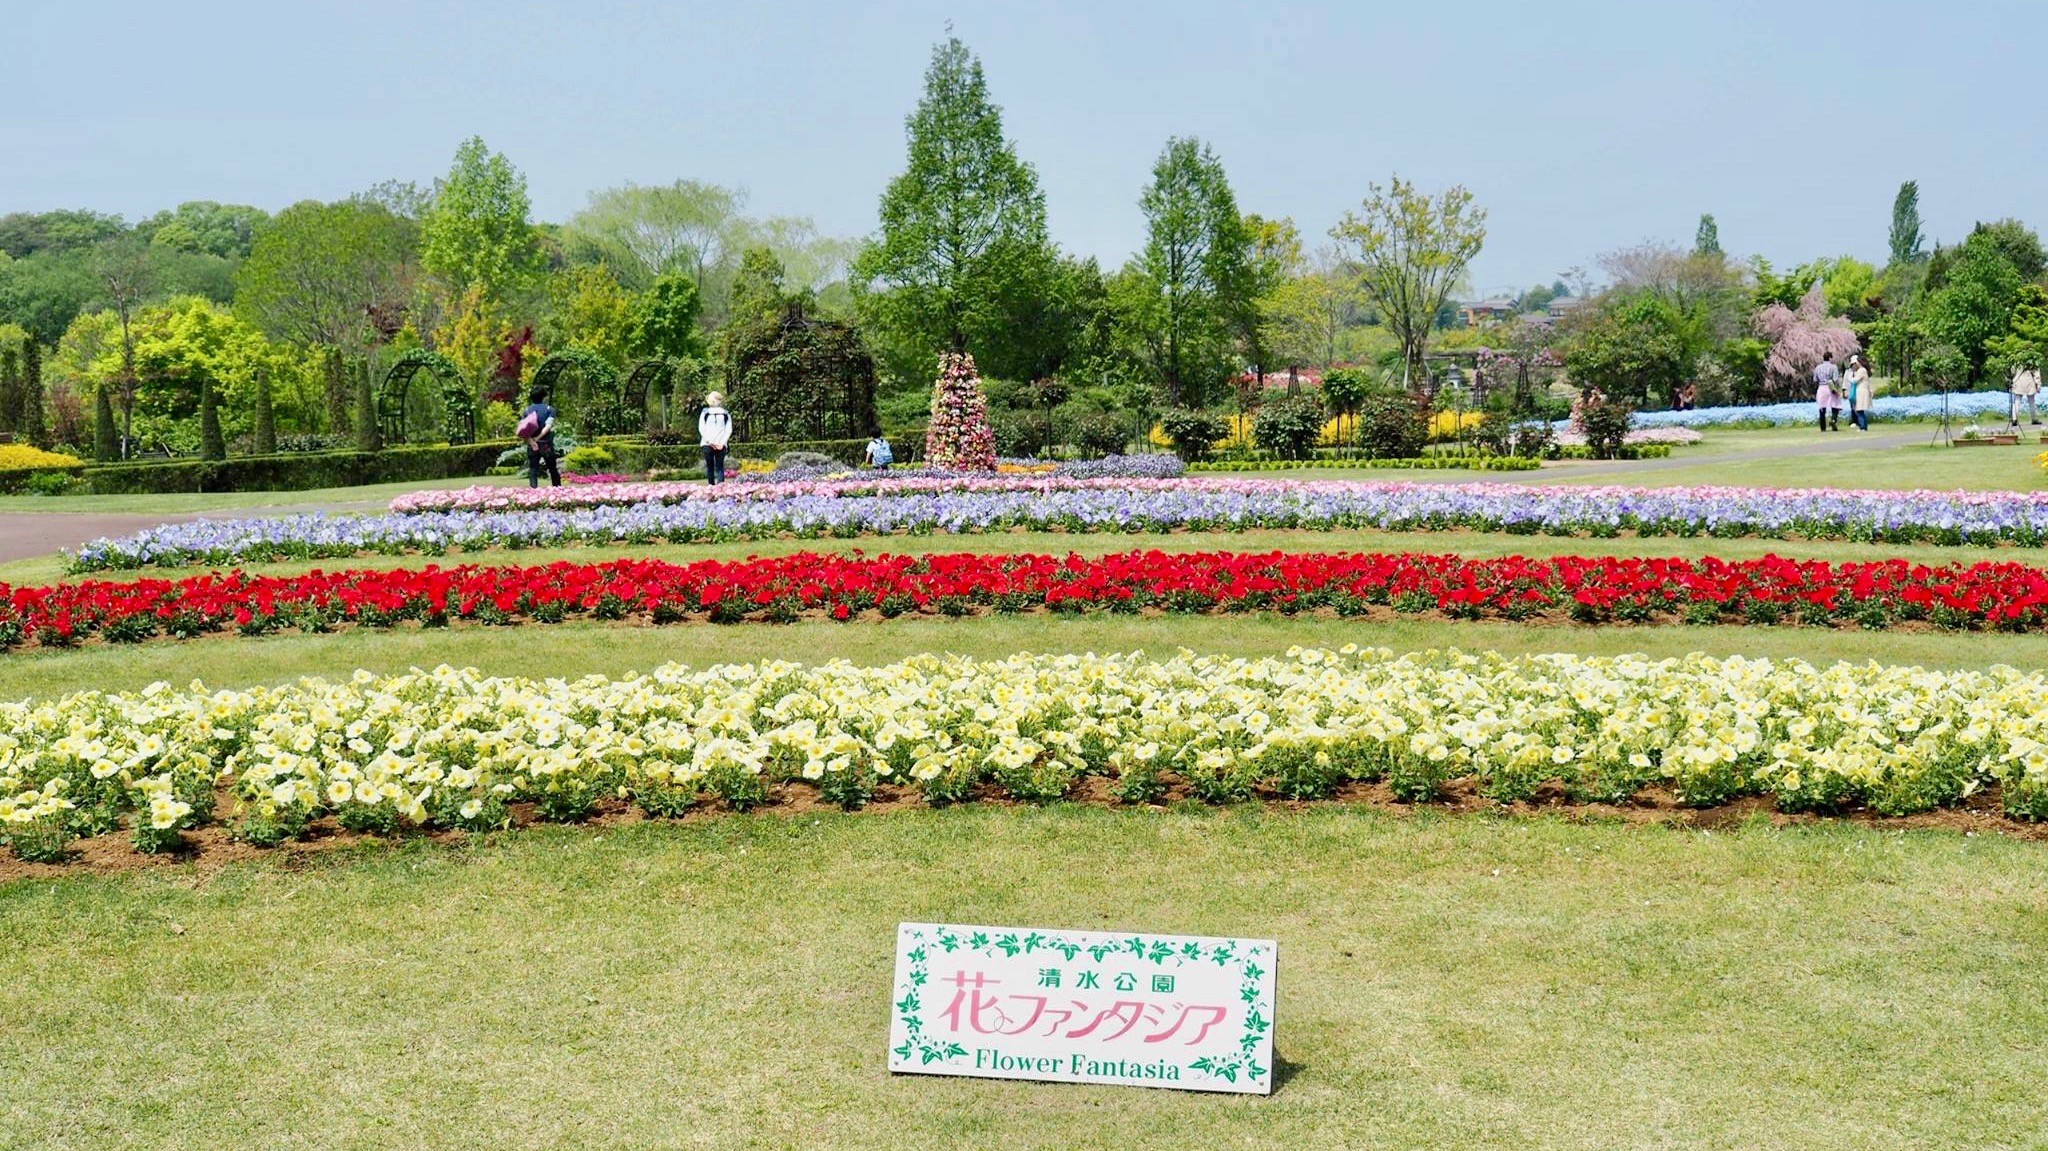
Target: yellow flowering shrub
[(1448, 425), (452, 747), (23, 458)]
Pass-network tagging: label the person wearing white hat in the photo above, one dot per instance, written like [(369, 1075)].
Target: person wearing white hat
[(714, 431), (1861, 391)]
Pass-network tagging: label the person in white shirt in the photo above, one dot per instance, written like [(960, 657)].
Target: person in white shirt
[(879, 454), (714, 431), (2026, 384)]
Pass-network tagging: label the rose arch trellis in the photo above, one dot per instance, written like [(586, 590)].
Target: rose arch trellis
[(458, 406), (599, 405), (648, 378)]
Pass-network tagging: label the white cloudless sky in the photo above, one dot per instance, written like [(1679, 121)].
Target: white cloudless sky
[(1580, 126)]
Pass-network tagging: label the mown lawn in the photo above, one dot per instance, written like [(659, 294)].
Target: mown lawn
[(583, 648), (1445, 982)]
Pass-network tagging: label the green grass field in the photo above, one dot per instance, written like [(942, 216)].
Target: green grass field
[(1446, 981)]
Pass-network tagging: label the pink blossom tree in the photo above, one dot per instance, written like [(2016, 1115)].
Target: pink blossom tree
[(958, 437), (1799, 338)]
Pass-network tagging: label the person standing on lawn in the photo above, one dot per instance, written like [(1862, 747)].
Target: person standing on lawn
[(2026, 384), (537, 429), (714, 431), (1825, 376), (1861, 391)]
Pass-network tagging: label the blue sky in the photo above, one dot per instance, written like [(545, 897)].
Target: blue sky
[(1581, 127)]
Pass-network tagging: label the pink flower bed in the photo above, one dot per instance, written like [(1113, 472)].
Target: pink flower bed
[(1673, 436)]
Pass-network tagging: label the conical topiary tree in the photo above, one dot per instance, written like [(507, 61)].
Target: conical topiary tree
[(958, 436), (31, 425), (212, 445), (104, 446), (266, 418)]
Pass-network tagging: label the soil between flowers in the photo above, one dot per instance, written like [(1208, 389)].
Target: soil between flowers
[(209, 849)]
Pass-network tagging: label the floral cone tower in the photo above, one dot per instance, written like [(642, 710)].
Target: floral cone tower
[(958, 437)]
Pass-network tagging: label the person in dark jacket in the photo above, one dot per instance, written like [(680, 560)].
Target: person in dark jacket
[(540, 446)]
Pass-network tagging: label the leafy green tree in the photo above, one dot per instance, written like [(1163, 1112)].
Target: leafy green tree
[(643, 233), (24, 234), (662, 320), (1632, 349), (963, 241), (1196, 265), (1975, 302), (2016, 242), (591, 311), (478, 231), (126, 275), (1272, 255), (1905, 234), (2025, 341), (265, 432), (205, 227), (45, 291), (1412, 250), (1306, 317), (1706, 239), (369, 437), (760, 286), (323, 274)]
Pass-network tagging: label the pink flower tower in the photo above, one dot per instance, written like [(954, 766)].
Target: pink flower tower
[(958, 437)]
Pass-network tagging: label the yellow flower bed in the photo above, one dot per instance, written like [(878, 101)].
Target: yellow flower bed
[(23, 458), (452, 747)]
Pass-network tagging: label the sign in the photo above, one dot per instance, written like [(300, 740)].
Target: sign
[(1184, 1011)]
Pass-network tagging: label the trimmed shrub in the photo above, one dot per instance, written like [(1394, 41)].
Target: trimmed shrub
[(1192, 432), (298, 471), (1391, 427), (1288, 428)]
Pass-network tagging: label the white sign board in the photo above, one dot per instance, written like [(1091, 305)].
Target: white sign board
[(1183, 1011)]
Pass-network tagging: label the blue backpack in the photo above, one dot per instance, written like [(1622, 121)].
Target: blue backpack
[(883, 453)]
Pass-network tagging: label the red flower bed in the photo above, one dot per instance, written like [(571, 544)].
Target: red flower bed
[(1590, 589)]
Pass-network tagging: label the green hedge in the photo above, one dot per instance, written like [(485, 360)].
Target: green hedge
[(634, 454), (1628, 452), (296, 471), (15, 479), (1420, 463)]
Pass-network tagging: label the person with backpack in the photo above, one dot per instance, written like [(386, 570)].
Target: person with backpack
[(537, 430), (714, 432), (880, 455)]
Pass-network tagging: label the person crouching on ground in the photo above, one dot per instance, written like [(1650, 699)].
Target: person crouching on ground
[(1861, 392), (2026, 384), (1825, 375), (537, 429), (879, 454), (714, 431)]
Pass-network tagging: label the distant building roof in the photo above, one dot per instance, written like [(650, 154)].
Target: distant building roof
[(1496, 304), (1563, 304)]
